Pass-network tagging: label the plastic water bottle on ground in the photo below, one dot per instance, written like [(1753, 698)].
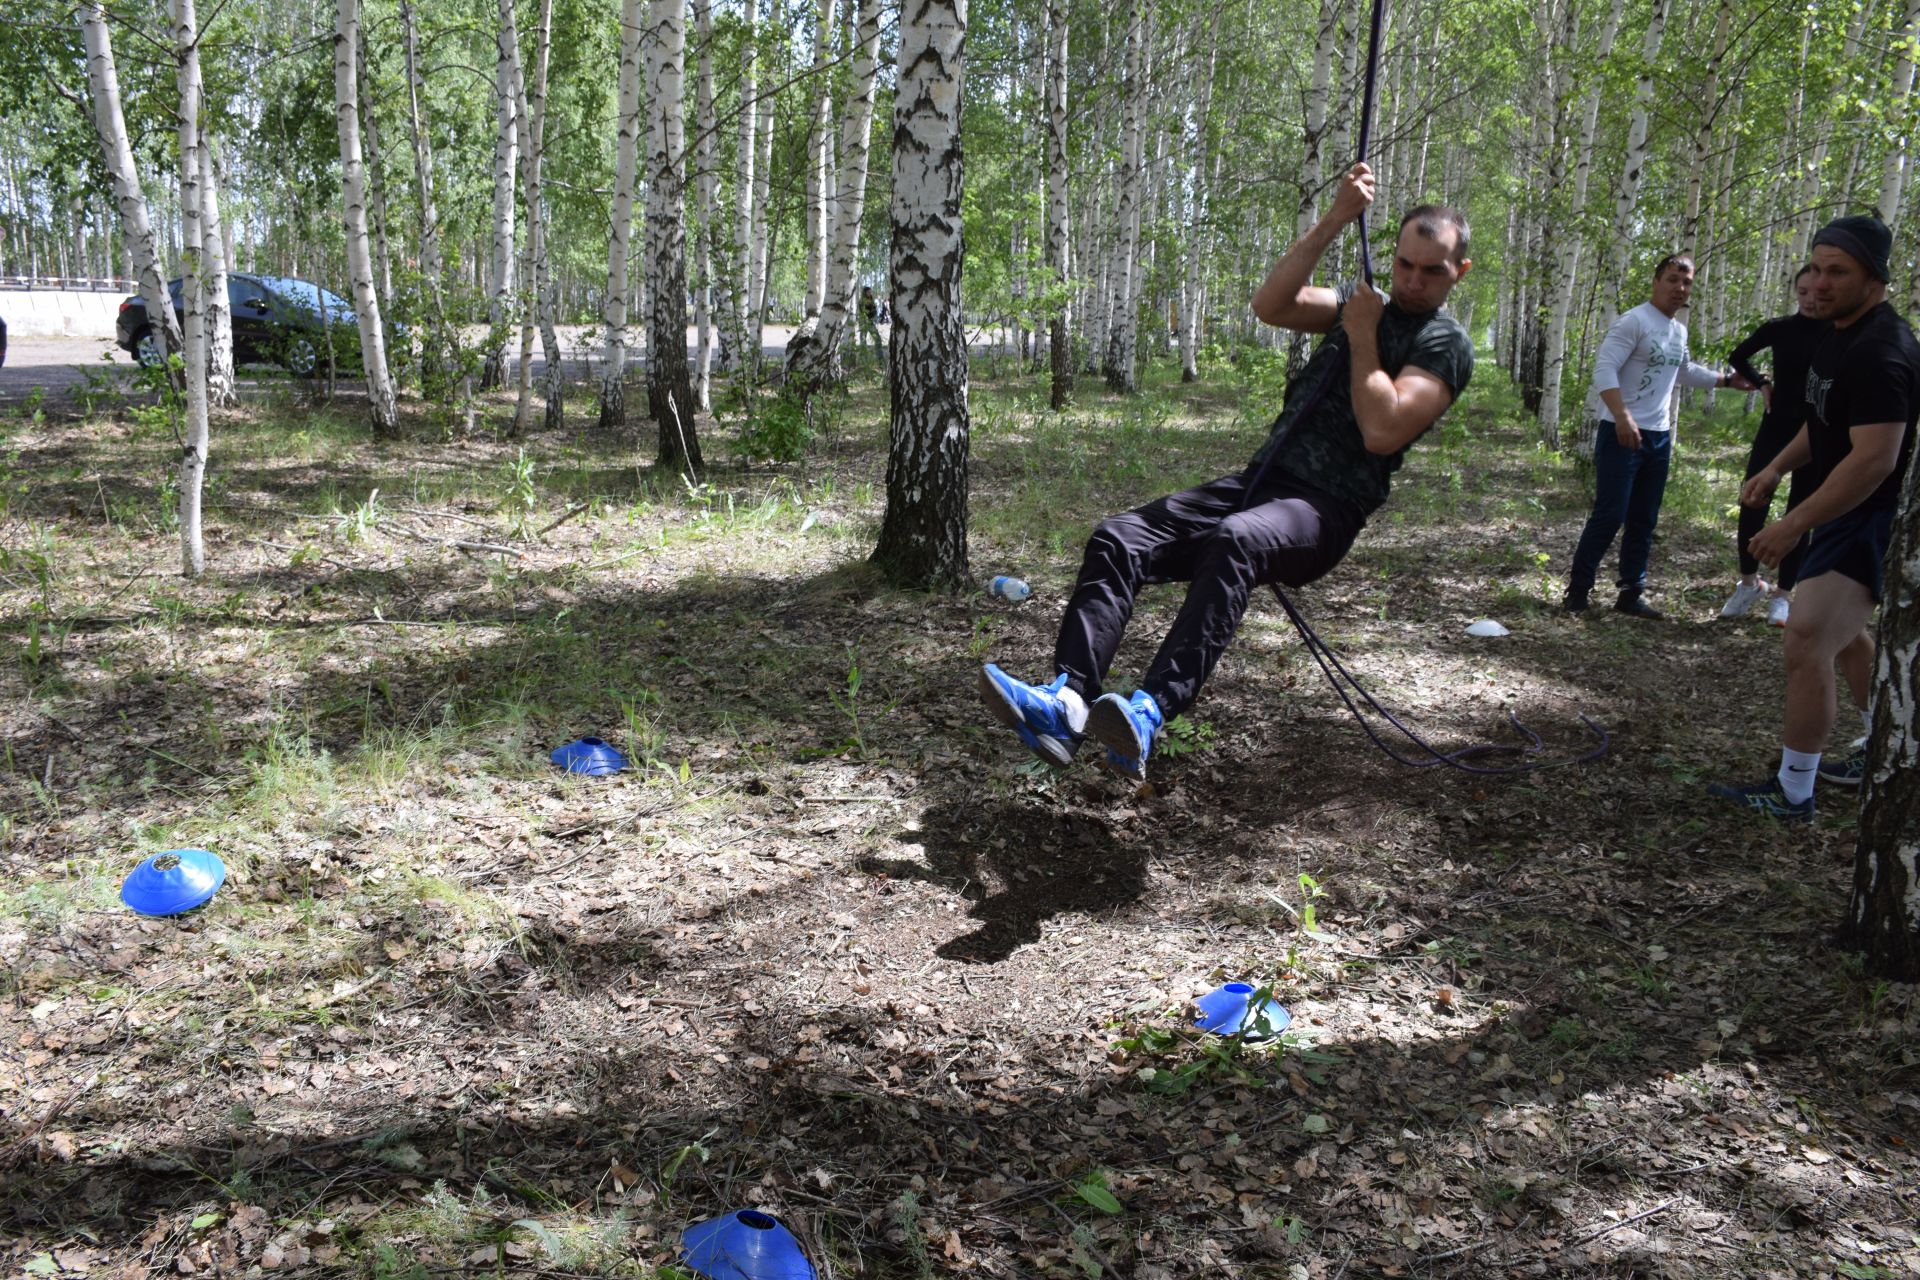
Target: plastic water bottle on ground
[(1009, 589)]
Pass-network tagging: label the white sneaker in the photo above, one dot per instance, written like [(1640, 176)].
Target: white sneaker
[(1777, 612), (1744, 597)]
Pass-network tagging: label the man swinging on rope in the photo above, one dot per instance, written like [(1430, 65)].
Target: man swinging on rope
[(1288, 517)]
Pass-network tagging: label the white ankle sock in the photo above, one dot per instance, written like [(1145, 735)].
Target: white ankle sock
[(1076, 709), (1797, 770)]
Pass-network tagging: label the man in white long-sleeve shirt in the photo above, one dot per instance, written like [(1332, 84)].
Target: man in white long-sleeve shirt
[(1644, 353)]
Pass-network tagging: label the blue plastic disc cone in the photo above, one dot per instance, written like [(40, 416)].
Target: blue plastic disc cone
[(589, 756), (172, 882), (745, 1245), (1229, 1010)]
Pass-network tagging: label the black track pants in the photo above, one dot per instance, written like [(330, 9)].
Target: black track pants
[(1768, 441), (1288, 533)]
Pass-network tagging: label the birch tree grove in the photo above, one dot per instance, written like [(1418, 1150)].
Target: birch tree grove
[(669, 392), (923, 537), (813, 359), (506, 152), (613, 315), (366, 302), (706, 186)]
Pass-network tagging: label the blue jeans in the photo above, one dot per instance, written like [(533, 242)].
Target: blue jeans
[(1628, 487)]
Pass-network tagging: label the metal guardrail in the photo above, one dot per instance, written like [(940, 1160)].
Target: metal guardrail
[(68, 284)]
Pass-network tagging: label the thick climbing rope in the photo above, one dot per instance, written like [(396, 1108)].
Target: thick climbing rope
[(1329, 662)]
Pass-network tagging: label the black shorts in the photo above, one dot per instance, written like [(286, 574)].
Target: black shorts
[(1854, 545)]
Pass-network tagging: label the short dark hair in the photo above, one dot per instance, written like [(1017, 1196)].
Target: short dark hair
[(1672, 259), (1803, 272), (1427, 219)]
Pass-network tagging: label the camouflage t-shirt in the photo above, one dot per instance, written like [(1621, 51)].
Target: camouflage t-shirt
[(1325, 448)]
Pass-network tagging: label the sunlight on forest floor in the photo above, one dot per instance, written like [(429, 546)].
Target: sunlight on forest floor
[(833, 947)]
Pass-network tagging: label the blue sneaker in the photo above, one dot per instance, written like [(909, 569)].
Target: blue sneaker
[(1126, 728), (1043, 715), (1848, 770), (1766, 799)]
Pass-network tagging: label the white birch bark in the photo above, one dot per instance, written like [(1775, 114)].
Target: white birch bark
[(506, 155), (218, 303), (366, 303), (669, 395), (1193, 278), (136, 222), (1313, 163), (1703, 136), (193, 451), (814, 359), (819, 175), (374, 181), (1627, 194), (626, 159), (1573, 239), (923, 535), (1059, 325), (737, 277), (552, 384), (441, 351), (1123, 324), (758, 273), (1893, 168), (706, 206)]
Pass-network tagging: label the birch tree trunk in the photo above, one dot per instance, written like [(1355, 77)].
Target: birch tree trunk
[(1703, 136), (506, 156), (737, 275), (366, 303), (819, 176), (706, 206), (1059, 325), (1194, 278), (193, 451), (813, 360), (1123, 324), (1627, 195), (136, 223), (1313, 164), (218, 303), (553, 384), (757, 287), (626, 155), (1883, 914), (923, 537), (669, 397), (441, 352), (1893, 169), (1568, 244), (374, 184)]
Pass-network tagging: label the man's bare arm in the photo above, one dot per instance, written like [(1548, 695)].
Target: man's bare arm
[(1286, 298)]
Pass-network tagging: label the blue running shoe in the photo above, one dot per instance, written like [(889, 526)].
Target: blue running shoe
[(1043, 715), (1126, 728), (1848, 770), (1766, 799)]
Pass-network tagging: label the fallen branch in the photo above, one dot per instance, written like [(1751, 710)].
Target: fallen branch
[(577, 508)]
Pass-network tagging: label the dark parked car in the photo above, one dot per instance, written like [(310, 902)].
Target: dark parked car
[(276, 320)]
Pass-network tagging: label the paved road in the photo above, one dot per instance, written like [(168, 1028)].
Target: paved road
[(54, 366)]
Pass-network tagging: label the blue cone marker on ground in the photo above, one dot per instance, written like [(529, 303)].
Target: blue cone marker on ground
[(169, 883), (745, 1245), (1229, 1010), (589, 756)]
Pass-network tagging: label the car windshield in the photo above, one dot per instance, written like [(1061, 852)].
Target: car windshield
[(308, 296)]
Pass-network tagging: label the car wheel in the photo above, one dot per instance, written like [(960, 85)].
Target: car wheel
[(146, 349), (300, 356)]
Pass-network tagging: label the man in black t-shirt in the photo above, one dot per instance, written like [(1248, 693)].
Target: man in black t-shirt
[(1390, 368), (1863, 401)]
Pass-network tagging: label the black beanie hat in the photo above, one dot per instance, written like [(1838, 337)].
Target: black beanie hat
[(1862, 236)]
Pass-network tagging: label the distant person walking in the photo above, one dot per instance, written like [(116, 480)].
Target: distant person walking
[(1643, 354), (1792, 340), (1863, 402)]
